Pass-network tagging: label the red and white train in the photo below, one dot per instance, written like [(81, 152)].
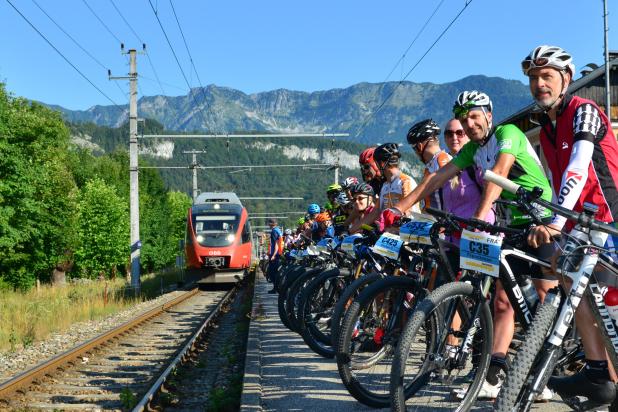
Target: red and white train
[(218, 238)]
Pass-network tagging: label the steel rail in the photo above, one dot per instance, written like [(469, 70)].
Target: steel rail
[(143, 403), (26, 378)]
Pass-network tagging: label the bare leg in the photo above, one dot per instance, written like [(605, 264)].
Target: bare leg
[(504, 322)]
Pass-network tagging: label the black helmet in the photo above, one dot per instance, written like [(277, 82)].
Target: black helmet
[(363, 188), (423, 130), (387, 152)]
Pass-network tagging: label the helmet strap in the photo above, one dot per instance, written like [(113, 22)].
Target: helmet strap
[(489, 126)]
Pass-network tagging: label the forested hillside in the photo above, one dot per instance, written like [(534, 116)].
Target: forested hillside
[(307, 182)]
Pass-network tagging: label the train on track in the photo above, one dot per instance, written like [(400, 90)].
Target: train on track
[(218, 238)]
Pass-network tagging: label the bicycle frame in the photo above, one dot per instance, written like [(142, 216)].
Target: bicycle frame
[(584, 284)]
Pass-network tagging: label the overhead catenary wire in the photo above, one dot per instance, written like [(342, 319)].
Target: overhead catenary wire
[(166, 84), (70, 37), (421, 30), (101, 21), (379, 107), (177, 61), (141, 41), (124, 94), (60, 53)]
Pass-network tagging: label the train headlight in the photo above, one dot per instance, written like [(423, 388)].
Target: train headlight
[(200, 238), (230, 237)]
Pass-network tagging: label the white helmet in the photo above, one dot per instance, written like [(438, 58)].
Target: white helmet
[(349, 182), (469, 99), (548, 56)]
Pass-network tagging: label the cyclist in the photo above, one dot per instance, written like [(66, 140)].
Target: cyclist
[(322, 228), (463, 192), (363, 203), (288, 239), (506, 151), (424, 137), (328, 207), (347, 184), (274, 253), (369, 170), (341, 212), (332, 191), (582, 156), (312, 210), (397, 184)]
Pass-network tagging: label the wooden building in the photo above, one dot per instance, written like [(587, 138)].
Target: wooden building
[(590, 86)]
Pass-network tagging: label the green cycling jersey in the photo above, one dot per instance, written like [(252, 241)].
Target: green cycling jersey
[(526, 171)]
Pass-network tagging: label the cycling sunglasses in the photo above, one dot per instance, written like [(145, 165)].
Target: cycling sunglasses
[(532, 63), (451, 133)]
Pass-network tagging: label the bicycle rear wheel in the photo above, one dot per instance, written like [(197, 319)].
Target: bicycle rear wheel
[(430, 368), (351, 292), (369, 335), (317, 301)]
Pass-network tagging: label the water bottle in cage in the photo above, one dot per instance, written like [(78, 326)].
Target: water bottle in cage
[(529, 292)]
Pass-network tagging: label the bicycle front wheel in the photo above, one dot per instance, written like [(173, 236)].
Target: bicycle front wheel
[(514, 392)]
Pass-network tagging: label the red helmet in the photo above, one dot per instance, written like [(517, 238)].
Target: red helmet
[(366, 157)]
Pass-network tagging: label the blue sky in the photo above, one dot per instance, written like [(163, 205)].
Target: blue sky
[(256, 46)]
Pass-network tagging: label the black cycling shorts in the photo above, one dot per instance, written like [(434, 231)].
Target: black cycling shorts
[(543, 252)]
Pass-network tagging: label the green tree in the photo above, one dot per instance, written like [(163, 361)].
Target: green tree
[(103, 229), (37, 191)]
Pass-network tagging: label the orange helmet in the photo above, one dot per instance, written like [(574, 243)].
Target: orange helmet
[(366, 157), (322, 217)]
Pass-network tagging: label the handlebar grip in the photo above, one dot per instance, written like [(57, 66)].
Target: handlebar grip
[(503, 182), (605, 227)]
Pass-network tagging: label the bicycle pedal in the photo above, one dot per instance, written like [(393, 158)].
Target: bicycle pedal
[(582, 404)]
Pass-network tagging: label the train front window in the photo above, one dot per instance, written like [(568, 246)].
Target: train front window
[(215, 230)]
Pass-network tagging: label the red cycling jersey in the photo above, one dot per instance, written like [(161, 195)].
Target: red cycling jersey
[(580, 120)]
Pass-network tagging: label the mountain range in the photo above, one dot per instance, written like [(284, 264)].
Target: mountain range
[(358, 110)]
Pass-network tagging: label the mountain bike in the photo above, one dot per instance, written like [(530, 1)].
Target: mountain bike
[(584, 248)]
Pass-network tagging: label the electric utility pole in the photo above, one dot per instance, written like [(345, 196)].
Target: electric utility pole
[(194, 166), (608, 98), (136, 244)]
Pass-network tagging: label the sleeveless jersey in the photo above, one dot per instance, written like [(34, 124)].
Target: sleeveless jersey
[(399, 187), (436, 199)]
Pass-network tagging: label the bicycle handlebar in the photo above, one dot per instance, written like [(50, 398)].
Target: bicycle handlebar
[(477, 223), (523, 195)]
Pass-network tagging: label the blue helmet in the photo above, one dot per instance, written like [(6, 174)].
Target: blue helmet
[(313, 209)]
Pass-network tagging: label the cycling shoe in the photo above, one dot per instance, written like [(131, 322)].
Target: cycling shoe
[(573, 388)]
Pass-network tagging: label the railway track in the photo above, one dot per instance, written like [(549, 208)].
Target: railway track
[(117, 369)]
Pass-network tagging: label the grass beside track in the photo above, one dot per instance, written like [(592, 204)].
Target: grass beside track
[(31, 316)]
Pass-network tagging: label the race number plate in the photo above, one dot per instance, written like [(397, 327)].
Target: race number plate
[(388, 245), (416, 232), (347, 245), (480, 251), (322, 245)]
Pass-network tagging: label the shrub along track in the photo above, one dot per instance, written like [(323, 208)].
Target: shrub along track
[(114, 370)]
